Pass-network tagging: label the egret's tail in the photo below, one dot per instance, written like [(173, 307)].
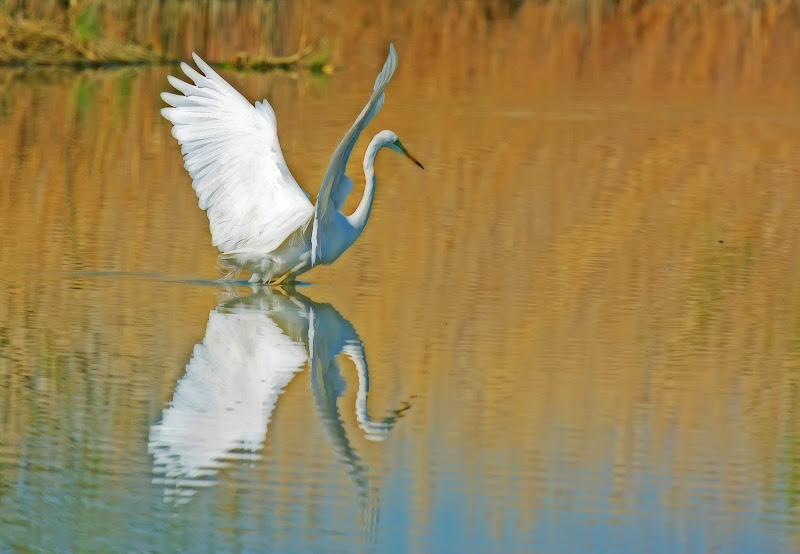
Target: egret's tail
[(228, 266)]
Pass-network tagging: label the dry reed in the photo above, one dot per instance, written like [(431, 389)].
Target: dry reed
[(37, 42), (648, 43)]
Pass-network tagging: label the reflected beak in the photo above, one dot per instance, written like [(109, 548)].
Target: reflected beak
[(407, 154)]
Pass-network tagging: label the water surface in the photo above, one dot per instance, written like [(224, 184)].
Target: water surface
[(575, 331)]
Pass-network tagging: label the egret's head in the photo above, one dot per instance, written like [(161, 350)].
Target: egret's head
[(390, 140)]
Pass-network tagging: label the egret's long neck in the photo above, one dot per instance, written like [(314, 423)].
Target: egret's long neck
[(358, 219)]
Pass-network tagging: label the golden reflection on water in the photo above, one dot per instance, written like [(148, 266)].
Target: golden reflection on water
[(591, 297)]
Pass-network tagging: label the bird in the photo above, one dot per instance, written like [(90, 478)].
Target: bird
[(260, 219)]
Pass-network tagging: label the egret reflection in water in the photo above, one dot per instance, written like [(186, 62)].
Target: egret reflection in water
[(253, 347)]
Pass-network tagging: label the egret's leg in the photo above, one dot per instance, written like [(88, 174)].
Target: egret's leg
[(280, 279), (289, 276)]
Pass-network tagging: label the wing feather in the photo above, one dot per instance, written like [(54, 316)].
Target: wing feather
[(232, 153), (335, 179)]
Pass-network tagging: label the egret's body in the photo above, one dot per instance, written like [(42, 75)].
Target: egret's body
[(260, 218)]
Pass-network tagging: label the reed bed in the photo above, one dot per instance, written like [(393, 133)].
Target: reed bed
[(754, 43), (38, 42), (222, 30)]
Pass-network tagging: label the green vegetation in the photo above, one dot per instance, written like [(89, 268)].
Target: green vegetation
[(87, 25)]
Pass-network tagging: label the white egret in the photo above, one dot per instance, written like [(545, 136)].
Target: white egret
[(260, 218)]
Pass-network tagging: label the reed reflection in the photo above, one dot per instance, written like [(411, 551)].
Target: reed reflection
[(253, 347)]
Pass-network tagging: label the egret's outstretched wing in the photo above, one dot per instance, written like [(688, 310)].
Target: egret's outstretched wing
[(335, 178), (231, 151)]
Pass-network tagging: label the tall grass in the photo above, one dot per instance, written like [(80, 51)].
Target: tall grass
[(648, 42), (172, 28)]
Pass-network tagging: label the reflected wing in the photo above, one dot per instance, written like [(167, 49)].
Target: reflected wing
[(223, 403), (231, 151), (335, 178)]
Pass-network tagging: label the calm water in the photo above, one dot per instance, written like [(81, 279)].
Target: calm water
[(576, 331)]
